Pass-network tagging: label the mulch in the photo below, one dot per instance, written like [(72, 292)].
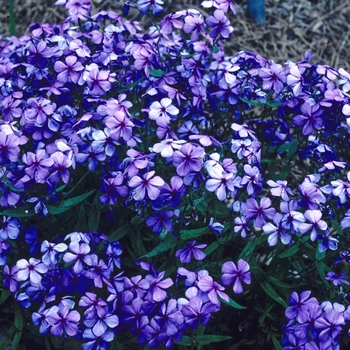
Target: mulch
[(292, 27)]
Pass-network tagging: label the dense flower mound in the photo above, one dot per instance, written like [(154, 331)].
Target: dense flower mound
[(236, 167)]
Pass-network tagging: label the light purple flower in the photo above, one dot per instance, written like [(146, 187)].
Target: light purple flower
[(146, 185), (69, 70), (9, 149), (101, 322), (51, 251), (280, 189), (10, 228), (32, 269), (236, 274), (38, 165), (64, 321), (156, 292), (220, 180), (188, 158), (310, 118), (259, 212), (214, 289), (313, 216), (299, 306), (220, 23), (79, 254), (163, 110)]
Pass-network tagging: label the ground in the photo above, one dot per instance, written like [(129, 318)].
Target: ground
[(292, 27)]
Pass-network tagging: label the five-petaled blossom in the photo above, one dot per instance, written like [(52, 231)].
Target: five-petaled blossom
[(236, 274)]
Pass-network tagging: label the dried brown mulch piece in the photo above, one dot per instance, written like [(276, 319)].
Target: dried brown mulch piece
[(292, 27)]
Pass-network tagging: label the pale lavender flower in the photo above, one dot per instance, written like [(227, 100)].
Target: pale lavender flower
[(64, 321), (156, 292), (236, 274), (144, 5), (194, 25), (196, 311), (10, 278), (9, 149), (144, 185), (61, 163), (38, 165), (313, 216), (295, 79), (220, 180), (329, 324), (273, 77), (220, 23), (241, 226), (69, 70), (38, 109), (120, 126), (30, 269), (79, 255), (310, 118), (277, 231), (101, 322), (185, 254), (299, 306), (337, 279), (280, 189), (10, 228), (51, 251), (163, 110), (214, 289), (252, 180)]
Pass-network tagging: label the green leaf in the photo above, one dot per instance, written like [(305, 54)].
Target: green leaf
[(279, 283), (273, 103), (212, 247), (276, 343), (251, 103), (289, 252), (288, 146), (270, 291), (215, 49), (119, 234), (250, 247), (5, 293), (336, 226), (203, 339), (170, 242), (321, 270), (233, 304), (21, 212), (189, 234), (68, 203), (15, 340), (94, 219), (12, 21), (18, 322), (130, 86), (156, 73)]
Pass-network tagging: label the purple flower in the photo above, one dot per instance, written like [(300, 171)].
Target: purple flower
[(172, 194), (10, 228), (258, 213), (280, 189), (120, 126), (197, 311), (185, 254), (9, 149), (220, 180), (214, 289), (144, 5), (194, 25), (299, 306), (31, 269), (188, 158), (97, 342), (99, 81), (220, 23), (309, 118), (156, 292), (40, 318), (170, 317), (64, 321), (273, 77), (79, 254), (51, 251), (70, 70), (313, 216), (329, 324), (277, 231), (163, 110), (113, 188), (38, 109), (137, 285), (144, 185), (38, 165), (101, 321), (113, 251), (10, 278), (252, 180), (337, 279), (232, 273), (92, 304), (160, 221), (60, 165)]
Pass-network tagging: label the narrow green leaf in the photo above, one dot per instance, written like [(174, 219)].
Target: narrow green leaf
[(189, 234), (210, 338), (270, 291), (68, 203), (21, 212), (162, 247), (215, 49), (15, 340), (130, 86), (12, 24), (185, 341), (289, 252), (94, 219), (233, 304), (156, 73), (18, 322), (251, 103), (273, 103), (321, 267), (336, 226), (5, 293), (276, 343), (287, 146), (279, 283), (212, 247), (120, 233)]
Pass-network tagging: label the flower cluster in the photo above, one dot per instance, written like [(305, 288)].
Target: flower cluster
[(149, 135)]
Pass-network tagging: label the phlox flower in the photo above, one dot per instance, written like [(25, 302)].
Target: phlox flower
[(37, 165), (196, 311), (295, 79), (160, 220), (188, 158), (38, 109), (273, 77), (241, 226), (166, 147), (71, 69), (280, 189), (146, 185), (60, 165), (192, 249), (101, 321), (170, 21), (137, 285), (97, 342), (64, 321), (163, 110), (220, 180), (259, 212), (309, 119), (173, 193), (299, 306), (98, 270), (214, 289), (170, 317), (99, 81), (252, 178), (30, 269), (9, 149), (10, 278), (156, 292), (341, 189), (79, 254), (51, 251), (144, 5), (10, 228), (313, 216), (40, 318), (120, 126), (113, 188), (329, 324), (236, 274), (337, 279), (220, 23), (277, 231), (194, 25)]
